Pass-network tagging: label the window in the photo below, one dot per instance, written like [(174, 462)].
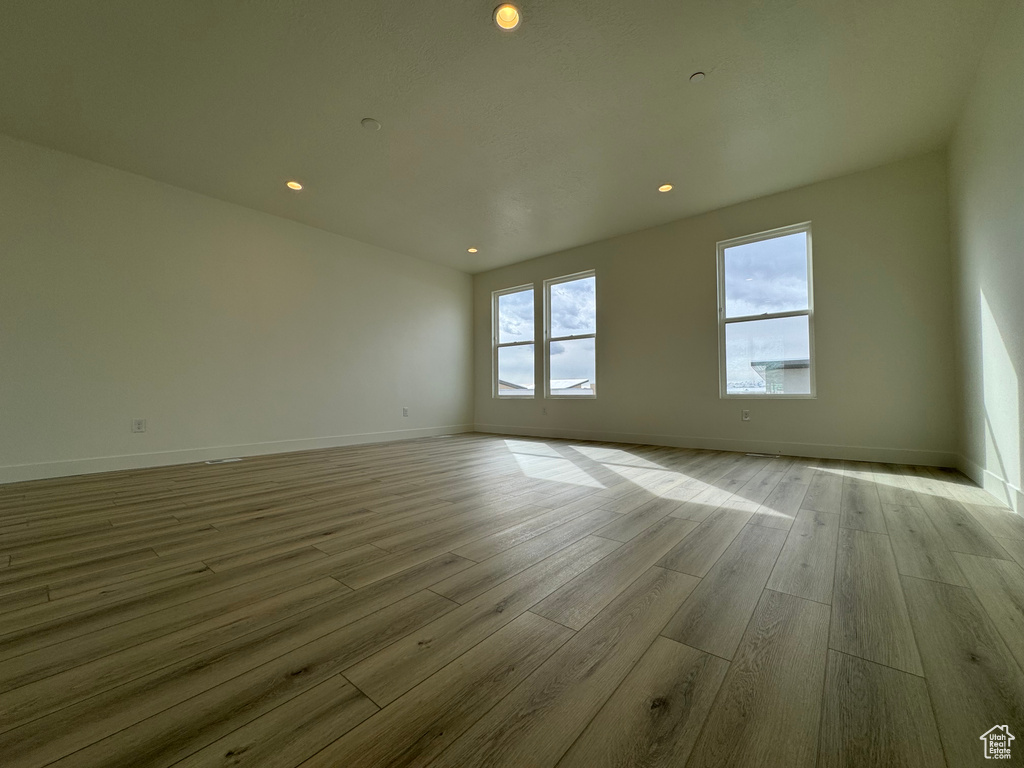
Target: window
[(570, 324), (512, 317), (570, 336), (766, 314)]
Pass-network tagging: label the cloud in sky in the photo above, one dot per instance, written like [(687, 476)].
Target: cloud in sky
[(574, 307), (515, 316), (766, 276)]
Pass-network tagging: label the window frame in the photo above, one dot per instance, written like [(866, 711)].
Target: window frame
[(723, 321), (548, 338), (496, 344)]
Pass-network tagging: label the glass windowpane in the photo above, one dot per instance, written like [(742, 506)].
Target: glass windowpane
[(768, 357), (574, 307), (572, 368), (767, 276), (515, 371), (515, 316)]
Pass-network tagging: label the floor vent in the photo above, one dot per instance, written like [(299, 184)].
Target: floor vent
[(222, 461)]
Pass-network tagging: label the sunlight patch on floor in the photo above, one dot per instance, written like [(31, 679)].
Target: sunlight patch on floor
[(614, 456), (532, 448), (656, 481), (769, 512), (555, 469)]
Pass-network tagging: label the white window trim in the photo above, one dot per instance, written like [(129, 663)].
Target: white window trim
[(495, 344), (548, 338), (723, 321)]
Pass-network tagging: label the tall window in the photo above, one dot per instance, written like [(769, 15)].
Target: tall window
[(512, 317), (570, 319), (766, 314)]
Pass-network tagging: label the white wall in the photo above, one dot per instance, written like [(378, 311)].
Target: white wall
[(987, 201), (232, 332), (884, 328)]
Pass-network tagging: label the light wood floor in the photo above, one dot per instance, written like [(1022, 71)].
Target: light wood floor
[(479, 601)]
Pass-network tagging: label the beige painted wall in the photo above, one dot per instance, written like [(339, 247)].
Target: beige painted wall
[(230, 331), (987, 201), (884, 328)]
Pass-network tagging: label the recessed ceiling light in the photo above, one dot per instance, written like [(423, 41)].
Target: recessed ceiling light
[(507, 16), (665, 188), (294, 185), (370, 124), (471, 250), (696, 77)]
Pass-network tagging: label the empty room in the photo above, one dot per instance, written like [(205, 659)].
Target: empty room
[(590, 385)]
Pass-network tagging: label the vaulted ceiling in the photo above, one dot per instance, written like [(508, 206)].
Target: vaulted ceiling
[(516, 143)]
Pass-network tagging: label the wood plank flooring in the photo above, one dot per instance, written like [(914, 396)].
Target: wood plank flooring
[(477, 600)]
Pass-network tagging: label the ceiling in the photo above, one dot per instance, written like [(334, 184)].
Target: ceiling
[(517, 143)]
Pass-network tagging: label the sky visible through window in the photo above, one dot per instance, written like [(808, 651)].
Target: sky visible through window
[(573, 308), (515, 317), (765, 277), (573, 313), (515, 323)]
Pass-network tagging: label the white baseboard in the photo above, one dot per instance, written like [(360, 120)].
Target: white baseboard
[(998, 486), (810, 450), (18, 472)]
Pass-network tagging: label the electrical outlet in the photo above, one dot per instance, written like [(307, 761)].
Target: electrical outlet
[(138, 425), (745, 414), (405, 411), (543, 411)]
